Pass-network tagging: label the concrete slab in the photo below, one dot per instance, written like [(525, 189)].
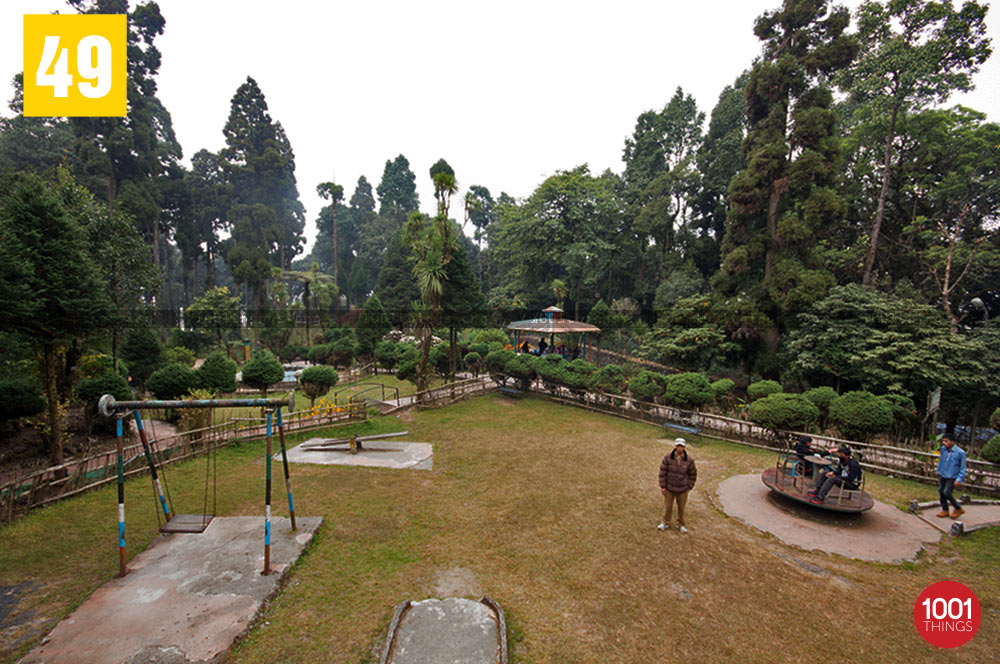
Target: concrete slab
[(883, 534), (185, 599), (975, 515), (377, 453), (453, 630)]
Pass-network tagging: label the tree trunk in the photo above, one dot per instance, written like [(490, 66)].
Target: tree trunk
[(866, 278), (52, 396), (336, 282), (778, 189)]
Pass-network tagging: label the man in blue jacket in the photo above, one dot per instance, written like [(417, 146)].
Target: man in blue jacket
[(951, 471)]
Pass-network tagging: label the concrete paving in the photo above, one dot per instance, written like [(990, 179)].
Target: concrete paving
[(377, 453), (185, 599), (448, 631), (975, 515), (883, 534)]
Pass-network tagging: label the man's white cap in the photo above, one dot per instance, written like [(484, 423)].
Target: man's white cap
[(681, 442)]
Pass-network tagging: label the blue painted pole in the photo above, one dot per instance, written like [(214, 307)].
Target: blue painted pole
[(267, 504), (284, 461), (151, 462), (121, 499)]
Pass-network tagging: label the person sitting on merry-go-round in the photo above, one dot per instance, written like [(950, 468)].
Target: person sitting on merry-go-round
[(846, 475)]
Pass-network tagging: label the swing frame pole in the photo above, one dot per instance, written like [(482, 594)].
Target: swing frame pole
[(267, 503), (122, 569), (152, 465), (284, 461)]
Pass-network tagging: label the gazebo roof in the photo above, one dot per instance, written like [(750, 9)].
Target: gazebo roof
[(553, 326)]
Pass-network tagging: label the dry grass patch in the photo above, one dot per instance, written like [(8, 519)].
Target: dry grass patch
[(552, 511)]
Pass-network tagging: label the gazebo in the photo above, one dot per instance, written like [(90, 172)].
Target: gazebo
[(552, 324)]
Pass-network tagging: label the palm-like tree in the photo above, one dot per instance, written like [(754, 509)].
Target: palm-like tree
[(309, 280)]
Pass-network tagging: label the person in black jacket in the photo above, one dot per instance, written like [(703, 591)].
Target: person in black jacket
[(804, 448), (846, 476)]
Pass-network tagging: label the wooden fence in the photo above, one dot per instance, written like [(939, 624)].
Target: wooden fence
[(43, 487), (981, 477)]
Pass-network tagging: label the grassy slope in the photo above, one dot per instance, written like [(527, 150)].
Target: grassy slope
[(553, 510)]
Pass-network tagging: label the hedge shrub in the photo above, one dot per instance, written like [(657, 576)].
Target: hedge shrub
[(995, 419), (688, 390), (647, 385), (577, 374), (317, 381), (783, 411), (179, 355), (293, 352), (860, 414), (551, 368), (495, 364), (172, 381), (608, 378), (408, 358), (723, 388), (480, 347), (991, 451), (473, 361), (521, 369), (762, 388), (385, 354), (217, 373), (262, 371)]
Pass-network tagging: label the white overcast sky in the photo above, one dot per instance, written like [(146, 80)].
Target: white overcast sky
[(508, 93)]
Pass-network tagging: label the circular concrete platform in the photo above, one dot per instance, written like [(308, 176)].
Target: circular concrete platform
[(883, 534), (378, 453)]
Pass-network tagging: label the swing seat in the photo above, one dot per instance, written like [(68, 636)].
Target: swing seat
[(187, 523)]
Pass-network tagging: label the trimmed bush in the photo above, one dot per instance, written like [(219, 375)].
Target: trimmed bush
[(762, 388), (688, 390), (860, 414), (995, 419), (317, 381), (551, 368), (92, 389), (723, 388), (577, 374), (783, 411), (480, 347), (495, 364), (93, 365), (262, 371), (217, 373), (821, 397), (408, 358), (293, 352), (341, 346), (991, 450), (647, 385), (179, 355), (474, 362), (490, 336), (21, 397), (903, 411), (172, 381), (521, 369), (608, 378), (385, 354)]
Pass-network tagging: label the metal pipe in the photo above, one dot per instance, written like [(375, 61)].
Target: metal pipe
[(108, 405), (152, 465), (267, 503), (284, 461), (121, 500)]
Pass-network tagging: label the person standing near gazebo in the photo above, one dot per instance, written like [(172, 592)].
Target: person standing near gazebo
[(677, 477)]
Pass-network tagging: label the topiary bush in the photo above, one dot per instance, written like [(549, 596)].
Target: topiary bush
[(647, 386), (179, 355), (783, 411), (385, 354), (995, 419), (860, 414), (172, 381), (474, 362), (90, 390), (481, 348), (521, 369), (723, 388), (991, 450), (577, 374), (762, 388), (293, 352), (22, 397), (262, 371), (317, 381), (495, 364), (317, 354), (217, 373), (92, 365), (551, 369), (821, 397), (904, 411), (609, 379), (408, 358), (688, 390), (489, 336)]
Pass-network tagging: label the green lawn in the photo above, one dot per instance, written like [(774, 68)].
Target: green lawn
[(552, 511)]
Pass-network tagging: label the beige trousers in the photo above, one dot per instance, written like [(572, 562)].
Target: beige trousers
[(668, 506)]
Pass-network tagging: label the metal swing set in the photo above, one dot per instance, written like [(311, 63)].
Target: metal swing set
[(192, 523)]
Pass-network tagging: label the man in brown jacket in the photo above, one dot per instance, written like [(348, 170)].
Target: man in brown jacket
[(677, 478)]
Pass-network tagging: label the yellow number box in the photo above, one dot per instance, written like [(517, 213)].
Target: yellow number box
[(75, 65)]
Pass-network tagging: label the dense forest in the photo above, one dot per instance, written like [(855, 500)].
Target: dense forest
[(832, 221)]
